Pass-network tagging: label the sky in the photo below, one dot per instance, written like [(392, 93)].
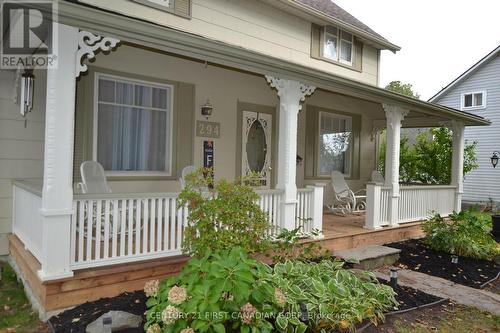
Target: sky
[(439, 39)]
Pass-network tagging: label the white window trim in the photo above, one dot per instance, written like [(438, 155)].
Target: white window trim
[(169, 8), (339, 43), (168, 162), (462, 100), (335, 115)]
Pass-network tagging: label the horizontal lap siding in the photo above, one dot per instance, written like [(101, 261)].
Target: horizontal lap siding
[(252, 25), (21, 148), (484, 182)]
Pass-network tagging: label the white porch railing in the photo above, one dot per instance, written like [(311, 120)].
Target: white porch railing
[(415, 203), (114, 228), (270, 203), (118, 228), (27, 221), (418, 202)]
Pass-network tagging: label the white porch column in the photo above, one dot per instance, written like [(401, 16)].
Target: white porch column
[(57, 195), (457, 165), (394, 116), (291, 94)]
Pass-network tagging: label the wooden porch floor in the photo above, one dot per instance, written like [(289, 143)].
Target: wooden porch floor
[(94, 283)]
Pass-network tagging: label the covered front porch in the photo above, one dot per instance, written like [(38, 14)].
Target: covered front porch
[(66, 233)]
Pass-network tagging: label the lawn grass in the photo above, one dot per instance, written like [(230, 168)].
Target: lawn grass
[(451, 319), (16, 314)]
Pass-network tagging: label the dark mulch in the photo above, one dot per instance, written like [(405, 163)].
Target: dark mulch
[(76, 320), (409, 298), (415, 255)]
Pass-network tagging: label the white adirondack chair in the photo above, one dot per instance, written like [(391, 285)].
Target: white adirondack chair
[(377, 177), (186, 171), (345, 200), (93, 178), (94, 182)]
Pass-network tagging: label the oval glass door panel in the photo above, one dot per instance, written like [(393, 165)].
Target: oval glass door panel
[(256, 147)]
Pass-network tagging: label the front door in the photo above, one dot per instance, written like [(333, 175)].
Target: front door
[(256, 146)]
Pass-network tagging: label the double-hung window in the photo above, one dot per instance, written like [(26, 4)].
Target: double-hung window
[(473, 100), (335, 144), (133, 126), (338, 45)]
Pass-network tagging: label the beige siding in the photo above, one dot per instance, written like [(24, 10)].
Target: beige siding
[(249, 24), (225, 88), (21, 148)]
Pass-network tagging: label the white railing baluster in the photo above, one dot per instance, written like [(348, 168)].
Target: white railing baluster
[(130, 225), (116, 220), (138, 226), (98, 217), (159, 225), (90, 222), (106, 229)]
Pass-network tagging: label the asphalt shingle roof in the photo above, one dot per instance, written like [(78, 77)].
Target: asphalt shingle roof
[(331, 9)]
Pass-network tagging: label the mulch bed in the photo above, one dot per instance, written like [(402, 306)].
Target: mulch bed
[(415, 255), (76, 320), (409, 298)]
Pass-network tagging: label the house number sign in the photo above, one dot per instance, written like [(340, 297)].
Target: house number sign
[(207, 129)]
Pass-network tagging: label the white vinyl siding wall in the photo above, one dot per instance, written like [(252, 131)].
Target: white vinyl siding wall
[(252, 25), (484, 182), (21, 148)]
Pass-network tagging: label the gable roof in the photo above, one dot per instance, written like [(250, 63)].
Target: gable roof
[(326, 9), (333, 10), (467, 73)]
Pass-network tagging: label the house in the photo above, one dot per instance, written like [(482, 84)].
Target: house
[(282, 78), (477, 91)]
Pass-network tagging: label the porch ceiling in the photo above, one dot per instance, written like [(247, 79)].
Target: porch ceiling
[(170, 40)]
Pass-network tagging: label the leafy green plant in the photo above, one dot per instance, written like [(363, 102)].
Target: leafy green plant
[(289, 245), (222, 215), (333, 297), (466, 233), (428, 161), (217, 293)]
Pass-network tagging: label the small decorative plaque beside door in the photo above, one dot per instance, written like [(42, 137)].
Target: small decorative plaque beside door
[(207, 129)]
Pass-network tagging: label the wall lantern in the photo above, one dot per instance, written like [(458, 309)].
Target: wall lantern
[(27, 88), (494, 158), (206, 109)]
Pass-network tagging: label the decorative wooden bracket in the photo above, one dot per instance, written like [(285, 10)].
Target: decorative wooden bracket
[(88, 43)]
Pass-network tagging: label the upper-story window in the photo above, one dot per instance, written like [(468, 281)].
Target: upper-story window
[(338, 45), (473, 100), (177, 7)]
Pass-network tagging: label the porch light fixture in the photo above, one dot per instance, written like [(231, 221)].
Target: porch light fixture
[(494, 158), (454, 259), (394, 277), (27, 88), (206, 109)]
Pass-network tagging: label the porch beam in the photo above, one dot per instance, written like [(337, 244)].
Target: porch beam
[(394, 116), (57, 193), (291, 94), (457, 173)]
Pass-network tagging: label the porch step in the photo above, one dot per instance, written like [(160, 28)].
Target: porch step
[(370, 257)]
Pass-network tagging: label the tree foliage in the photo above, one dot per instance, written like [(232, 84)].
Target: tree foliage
[(402, 88), (428, 161)]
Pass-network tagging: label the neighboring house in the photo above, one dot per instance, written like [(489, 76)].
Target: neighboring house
[(477, 91), (136, 109)]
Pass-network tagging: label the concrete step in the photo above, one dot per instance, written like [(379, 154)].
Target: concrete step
[(370, 257)]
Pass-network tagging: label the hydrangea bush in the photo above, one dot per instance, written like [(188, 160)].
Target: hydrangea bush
[(230, 292)]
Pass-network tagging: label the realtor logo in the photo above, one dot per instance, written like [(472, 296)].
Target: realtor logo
[(28, 34)]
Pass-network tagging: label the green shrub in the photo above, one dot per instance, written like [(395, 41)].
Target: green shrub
[(466, 234), (217, 293), (222, 215), (288, 245), (230, 292), (334, 297)]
